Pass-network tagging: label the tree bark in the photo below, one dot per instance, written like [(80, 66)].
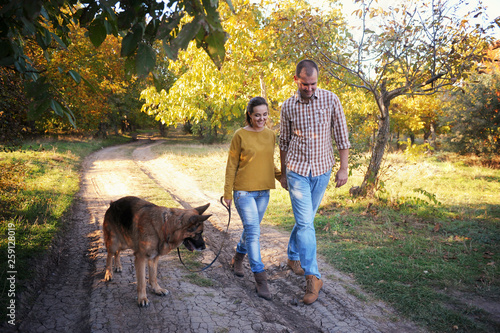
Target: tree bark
[(163, 129), (382, 137), (433, 135)]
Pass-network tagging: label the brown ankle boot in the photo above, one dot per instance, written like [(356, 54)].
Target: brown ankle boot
[(295, 266), (237, 264), (313, 285), (261, 285)]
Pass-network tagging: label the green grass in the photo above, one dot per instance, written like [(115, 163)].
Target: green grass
[(199, 280), (422, 251), (425, 243)]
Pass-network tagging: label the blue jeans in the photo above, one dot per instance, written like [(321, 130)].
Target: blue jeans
[(306, 194), (251, 207)]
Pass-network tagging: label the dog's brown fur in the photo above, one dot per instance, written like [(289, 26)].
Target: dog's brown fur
[(150, 231)]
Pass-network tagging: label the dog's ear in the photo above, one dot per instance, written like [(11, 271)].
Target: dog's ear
[(202, 209), (196, 219)]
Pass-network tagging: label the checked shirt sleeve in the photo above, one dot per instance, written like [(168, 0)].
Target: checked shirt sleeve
[(339, 125)]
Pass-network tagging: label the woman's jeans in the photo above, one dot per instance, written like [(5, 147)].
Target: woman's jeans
[(251, 207), (306, 194)]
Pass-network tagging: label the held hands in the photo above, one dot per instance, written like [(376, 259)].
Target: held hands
[(283, 182), (341, 177)]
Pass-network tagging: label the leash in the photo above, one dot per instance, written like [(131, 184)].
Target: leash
[(222, 245)]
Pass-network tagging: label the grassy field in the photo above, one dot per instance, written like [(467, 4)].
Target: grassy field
[(428, 243)]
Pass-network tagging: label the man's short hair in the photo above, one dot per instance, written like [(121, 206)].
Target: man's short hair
[(309, 66)]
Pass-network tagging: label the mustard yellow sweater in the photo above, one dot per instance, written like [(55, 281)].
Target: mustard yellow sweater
[(250, 163)]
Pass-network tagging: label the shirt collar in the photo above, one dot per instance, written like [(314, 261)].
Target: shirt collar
[(301, 101)]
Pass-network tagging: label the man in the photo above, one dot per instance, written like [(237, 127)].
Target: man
[(307, 123)]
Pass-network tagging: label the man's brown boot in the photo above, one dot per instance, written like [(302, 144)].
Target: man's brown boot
[(237, 264), (313, 285), (261, 285), (295, 266)]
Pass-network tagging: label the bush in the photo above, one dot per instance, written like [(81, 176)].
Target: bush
[(474, 116)]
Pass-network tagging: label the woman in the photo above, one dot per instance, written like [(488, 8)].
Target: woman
[(250, 174)]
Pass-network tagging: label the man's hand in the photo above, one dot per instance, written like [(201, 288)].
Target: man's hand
[(341, 177), (342, 174), (283, 182)]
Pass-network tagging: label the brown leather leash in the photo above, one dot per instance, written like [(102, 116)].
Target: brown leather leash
[(222, 245)]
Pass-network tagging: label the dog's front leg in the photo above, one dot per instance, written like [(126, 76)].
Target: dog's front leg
[(140, 272), (153, 280), (109, 267)]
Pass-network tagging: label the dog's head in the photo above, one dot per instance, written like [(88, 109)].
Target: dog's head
[(193, 239)]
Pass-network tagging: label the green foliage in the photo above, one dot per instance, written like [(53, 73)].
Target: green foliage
[(474, 116), (431, 197), (48, 24), (14, 125)]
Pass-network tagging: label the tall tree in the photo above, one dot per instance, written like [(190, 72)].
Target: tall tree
[(202, 94), (141, 22), (260, 60), (411, 48)]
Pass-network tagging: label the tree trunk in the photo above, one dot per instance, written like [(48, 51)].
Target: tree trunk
[(382, 137), (433, 136), (102, 132), (163, 129)]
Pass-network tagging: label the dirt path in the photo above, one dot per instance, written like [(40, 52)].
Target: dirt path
[(76, 299)]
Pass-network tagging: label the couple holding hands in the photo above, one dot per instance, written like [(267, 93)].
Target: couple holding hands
[(308, 121)]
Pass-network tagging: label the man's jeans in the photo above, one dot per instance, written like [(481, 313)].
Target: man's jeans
[(306, 194), (251, 207)]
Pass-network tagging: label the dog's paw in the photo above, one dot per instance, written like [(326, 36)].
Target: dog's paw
[(161, 292), (118, 269), (143, 302), (108, 276)]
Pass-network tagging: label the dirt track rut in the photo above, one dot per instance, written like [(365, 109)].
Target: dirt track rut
[(77, 299)]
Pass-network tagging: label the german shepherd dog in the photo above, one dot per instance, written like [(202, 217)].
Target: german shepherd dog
[(150, 231)]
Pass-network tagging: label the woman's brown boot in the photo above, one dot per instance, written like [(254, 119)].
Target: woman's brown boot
[(261, 285), (237, 264)]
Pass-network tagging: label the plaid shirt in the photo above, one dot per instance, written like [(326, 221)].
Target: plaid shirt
[(306, 132)]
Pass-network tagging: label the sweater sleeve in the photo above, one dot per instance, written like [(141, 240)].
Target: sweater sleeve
[(277, 171), (233, 159)]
